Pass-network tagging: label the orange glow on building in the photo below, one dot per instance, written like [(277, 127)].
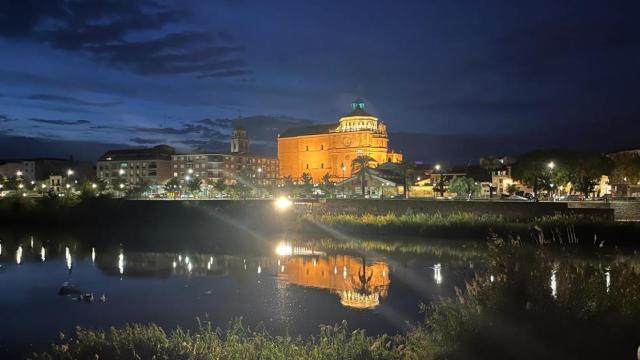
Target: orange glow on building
[(357, 284), (330, 148)]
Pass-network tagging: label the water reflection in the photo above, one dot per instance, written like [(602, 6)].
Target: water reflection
[(554, 281), (67, 256), (93, 255), (121, 262), (437, 273), (19, 255), (42, 254), (361, 284)]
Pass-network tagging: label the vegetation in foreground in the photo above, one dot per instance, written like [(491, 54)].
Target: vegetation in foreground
[(526, 305)]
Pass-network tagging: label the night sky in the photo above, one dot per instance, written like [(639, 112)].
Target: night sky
[(453, 80)]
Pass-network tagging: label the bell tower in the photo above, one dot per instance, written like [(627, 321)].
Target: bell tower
[(239, 141)]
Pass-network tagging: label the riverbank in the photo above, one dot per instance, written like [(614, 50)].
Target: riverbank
[(560, 229)]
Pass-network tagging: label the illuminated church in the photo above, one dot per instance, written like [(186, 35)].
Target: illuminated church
[(330, 148)]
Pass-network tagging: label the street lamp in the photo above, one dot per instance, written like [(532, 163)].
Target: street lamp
[(94, 185), (437, 167), (551, 165), (69, 172), (121, 172), (190, 171)]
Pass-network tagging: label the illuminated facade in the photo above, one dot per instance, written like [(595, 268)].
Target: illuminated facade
[(330, 148)]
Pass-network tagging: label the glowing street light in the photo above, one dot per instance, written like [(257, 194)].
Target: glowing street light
[(121, 186), (437, 167), (190, 171), (551, 165), (20, 186), (187, 178), (18, 173), (94, 185), (121, 171), (282, 203), (69, 172)]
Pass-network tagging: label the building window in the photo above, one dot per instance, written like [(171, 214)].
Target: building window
[(322, 166), (306, 148), (307, 166), (321, 147)]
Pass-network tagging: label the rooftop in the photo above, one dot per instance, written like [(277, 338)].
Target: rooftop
[(160, 152)]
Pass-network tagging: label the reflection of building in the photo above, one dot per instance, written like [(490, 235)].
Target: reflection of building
[(358, 284), (330, 148), (132, 165), (212, 167)]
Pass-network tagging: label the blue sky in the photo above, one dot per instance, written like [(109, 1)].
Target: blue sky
[(145, 72)]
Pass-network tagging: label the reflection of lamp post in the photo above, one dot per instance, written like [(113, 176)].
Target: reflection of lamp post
[(551, 165)]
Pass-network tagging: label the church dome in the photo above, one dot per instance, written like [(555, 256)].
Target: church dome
[(358, 119)]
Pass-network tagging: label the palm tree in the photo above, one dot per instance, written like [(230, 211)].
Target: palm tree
[(361, 165)]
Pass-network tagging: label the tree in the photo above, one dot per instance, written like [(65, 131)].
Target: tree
[(360, 167), (327, 186), (11, 183), (172, 185), (306, 187), (193, 185), (464, 186), (585, 170), (512, 189), (137, 189), (220, 187), (542, 168), (626, 169), (441, 184)]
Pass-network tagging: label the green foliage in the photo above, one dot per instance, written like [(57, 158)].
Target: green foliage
[(152, 342), (173, 185), (581, 169), (627, 166), (327, 186), (10, 183), (441, 185), (194, 185), (464, 186)]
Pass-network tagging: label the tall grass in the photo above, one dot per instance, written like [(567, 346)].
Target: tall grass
[(133, 342)]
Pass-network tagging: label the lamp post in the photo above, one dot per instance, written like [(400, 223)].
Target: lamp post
[(433, 186), (551, 165)]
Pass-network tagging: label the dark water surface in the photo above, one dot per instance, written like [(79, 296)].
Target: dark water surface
[(289, 289), (288, 286)]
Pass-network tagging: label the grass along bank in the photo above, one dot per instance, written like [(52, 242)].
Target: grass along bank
[(561, 228)]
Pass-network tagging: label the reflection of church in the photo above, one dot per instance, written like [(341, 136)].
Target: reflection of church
[(330, 148), (358, 284)]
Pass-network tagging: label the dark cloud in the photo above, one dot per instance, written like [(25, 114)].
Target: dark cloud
[(105, 29), (226, 73), (71, 101), (60, 122), (145, 141), (6, 118), (266, 128), (186, 129)]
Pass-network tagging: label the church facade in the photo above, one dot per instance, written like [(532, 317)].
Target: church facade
[(330, 148)]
